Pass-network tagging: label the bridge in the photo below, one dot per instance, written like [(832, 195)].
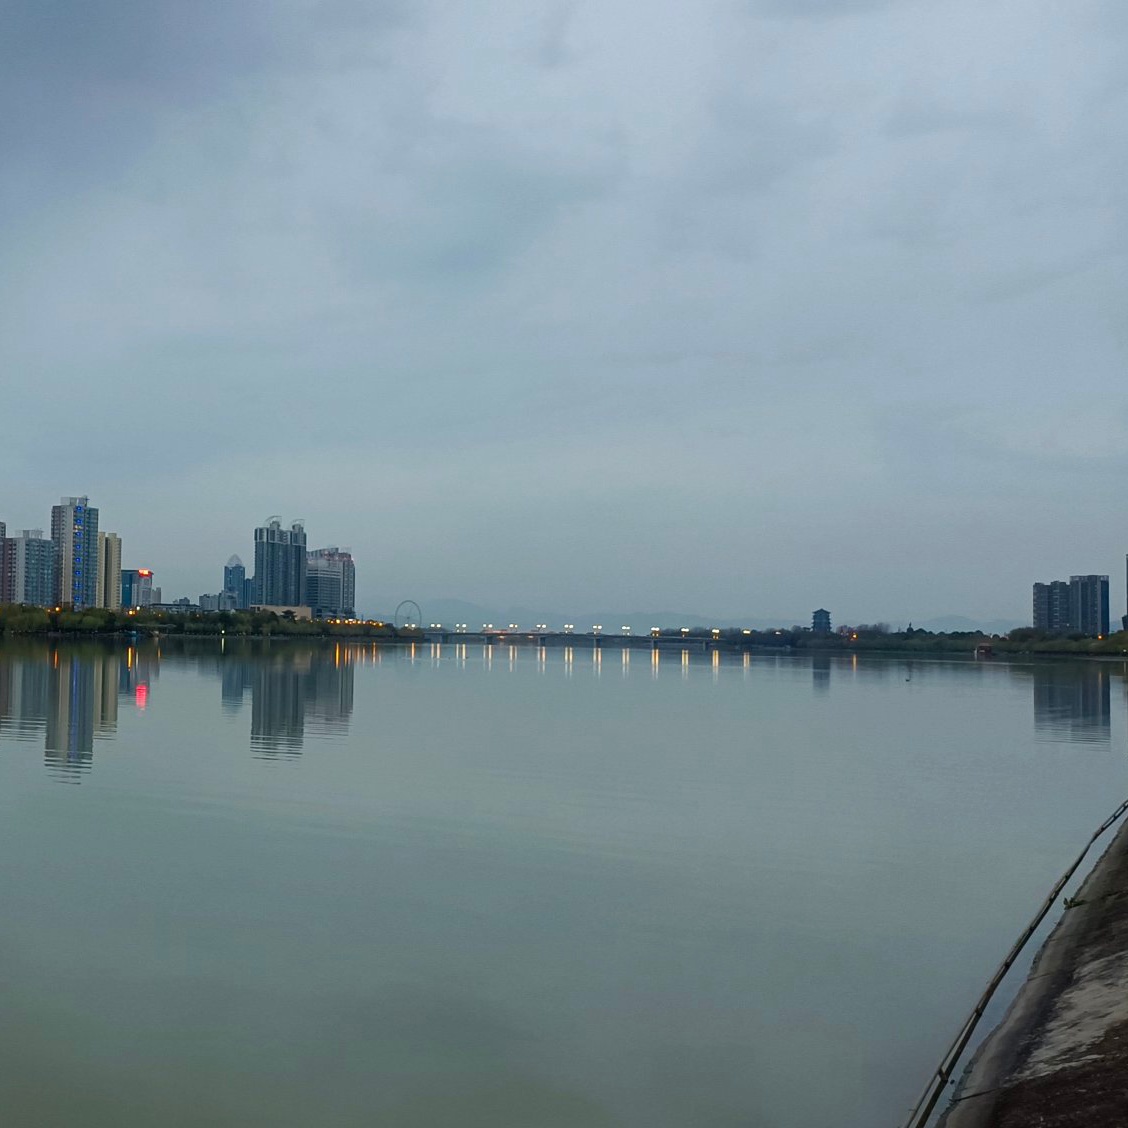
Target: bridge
[(589, 640)]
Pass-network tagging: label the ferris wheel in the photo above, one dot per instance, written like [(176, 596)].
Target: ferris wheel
[(408, 616)]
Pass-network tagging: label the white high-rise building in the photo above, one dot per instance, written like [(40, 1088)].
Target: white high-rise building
[(31, 559), (109, 571), (331, 583)]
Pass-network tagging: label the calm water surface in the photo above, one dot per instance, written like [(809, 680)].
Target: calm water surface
[(317, 886)]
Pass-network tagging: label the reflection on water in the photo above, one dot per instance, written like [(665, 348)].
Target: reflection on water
[(69, 693), (1073, 701), (516, 892), (291, 690), (294, 689)]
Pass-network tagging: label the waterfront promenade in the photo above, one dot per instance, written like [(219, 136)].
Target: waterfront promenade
[(1059, 1059)]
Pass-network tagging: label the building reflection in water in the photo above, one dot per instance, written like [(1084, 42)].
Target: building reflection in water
[(1073, 701), (69, 694), (291, 688), (235, 679)]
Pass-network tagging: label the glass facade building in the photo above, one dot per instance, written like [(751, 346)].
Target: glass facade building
[(235, 581)]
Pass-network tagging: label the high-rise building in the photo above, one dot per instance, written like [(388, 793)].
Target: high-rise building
[(29, 566), (109, 571), (331, 583), (5, 566), (218, 601), (137, 587), (280, 564), (820, 621), (74, 529), (1051, 607), (1079, 606), (1088, 604), (1041, 610), (235, 580)]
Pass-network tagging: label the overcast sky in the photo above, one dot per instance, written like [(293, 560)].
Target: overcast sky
[(746, 306)]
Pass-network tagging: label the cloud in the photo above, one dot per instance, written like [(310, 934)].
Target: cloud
[(88, 85), (817, 9), (553, 50), (475, 200), (589, 265)]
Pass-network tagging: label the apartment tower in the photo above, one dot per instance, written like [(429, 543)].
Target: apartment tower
[(331, 583), (74, 529), (280, 564), (1088, 603), (28, 569), (1076, 606), (109, 571)]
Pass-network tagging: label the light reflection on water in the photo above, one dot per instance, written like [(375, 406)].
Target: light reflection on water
[(348, 884)]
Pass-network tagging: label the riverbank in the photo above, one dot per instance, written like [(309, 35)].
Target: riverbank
[(98, 622), (1020, 643), (1059, 1058)]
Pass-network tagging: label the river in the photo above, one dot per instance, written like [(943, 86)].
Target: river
[(341, 885)]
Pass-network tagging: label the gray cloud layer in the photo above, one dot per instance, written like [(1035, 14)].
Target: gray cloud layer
[(750, 306)]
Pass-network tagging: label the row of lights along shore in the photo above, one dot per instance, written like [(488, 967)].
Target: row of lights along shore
[(568, 628)]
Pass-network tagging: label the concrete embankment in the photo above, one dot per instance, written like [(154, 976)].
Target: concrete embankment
[(1059, 1058)]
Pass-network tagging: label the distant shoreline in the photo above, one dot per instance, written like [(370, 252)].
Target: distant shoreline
[(23, 621)]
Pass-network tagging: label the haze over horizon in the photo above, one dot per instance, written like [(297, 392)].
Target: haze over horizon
[(751, 307)]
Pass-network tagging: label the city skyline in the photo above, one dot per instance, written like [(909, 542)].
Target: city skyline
[(284, 558)]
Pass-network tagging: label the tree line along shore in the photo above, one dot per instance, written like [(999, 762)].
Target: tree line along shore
[(17, 619)]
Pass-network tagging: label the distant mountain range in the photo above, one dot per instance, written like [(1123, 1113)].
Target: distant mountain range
[(451, 611)]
